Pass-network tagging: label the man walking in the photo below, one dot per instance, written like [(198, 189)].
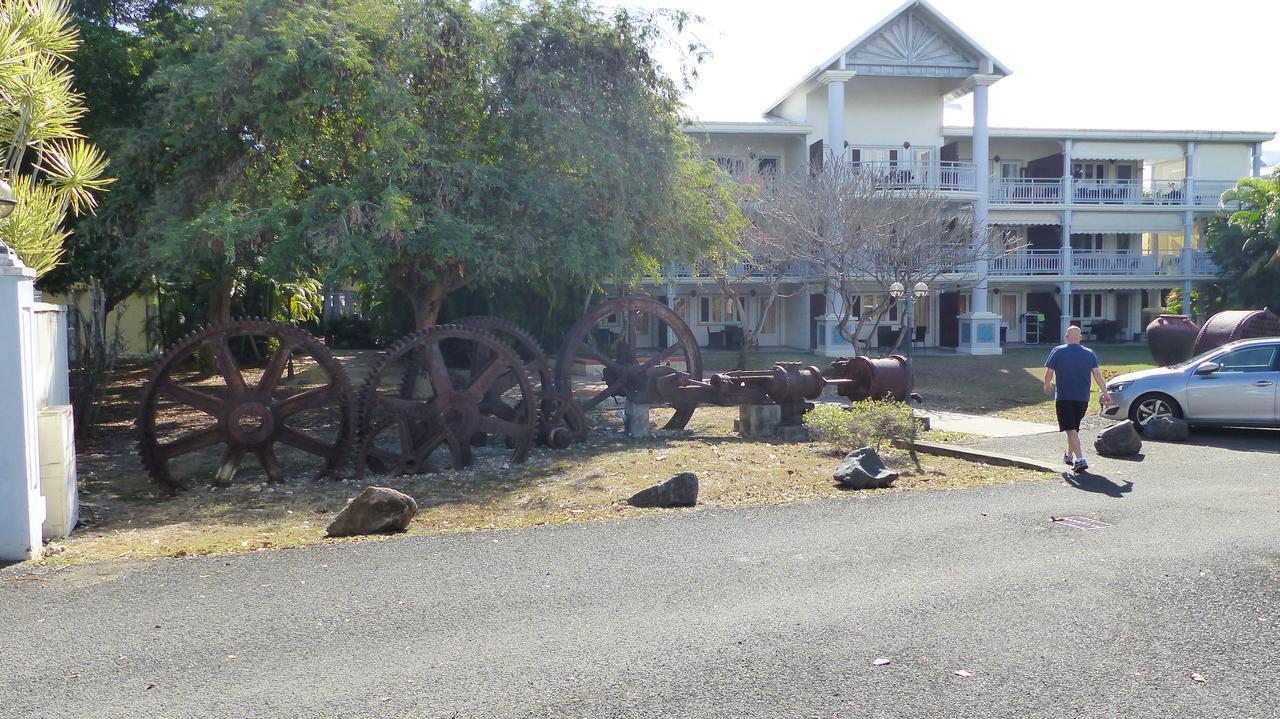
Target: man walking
[(1072, 364)]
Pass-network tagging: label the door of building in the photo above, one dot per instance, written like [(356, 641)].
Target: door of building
[(1122, 314), (949, 319), (1045, 304), (817, 308)]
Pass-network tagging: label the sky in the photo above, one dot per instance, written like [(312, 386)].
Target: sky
[(1104, 64)]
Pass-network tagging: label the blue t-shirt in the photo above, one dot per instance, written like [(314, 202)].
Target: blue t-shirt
[(1072, 366)]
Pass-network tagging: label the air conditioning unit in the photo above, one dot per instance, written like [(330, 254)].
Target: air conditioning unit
[(58, 470)]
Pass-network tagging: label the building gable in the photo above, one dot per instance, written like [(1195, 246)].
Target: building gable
[(911, 45)]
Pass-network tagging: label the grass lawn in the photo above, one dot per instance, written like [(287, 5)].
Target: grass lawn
[(129, 516), (1012, 384)]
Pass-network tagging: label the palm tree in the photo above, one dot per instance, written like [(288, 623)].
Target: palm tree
[(47, 165)]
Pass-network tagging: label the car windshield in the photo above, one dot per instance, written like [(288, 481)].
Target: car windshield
[(1198, 358)]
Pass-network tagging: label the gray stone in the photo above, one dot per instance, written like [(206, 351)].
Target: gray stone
[(863, 469), (374, 511), (759, 420), (635, 417), (679, 491), (1166, 429), (794, 433), (1118, 440)]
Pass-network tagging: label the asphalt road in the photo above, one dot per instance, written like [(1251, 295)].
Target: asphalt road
[(769, 612)]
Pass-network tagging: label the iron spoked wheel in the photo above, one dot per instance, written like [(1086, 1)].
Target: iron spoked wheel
[(624, 367), (440, 399), (276, 393), (1151, 406)]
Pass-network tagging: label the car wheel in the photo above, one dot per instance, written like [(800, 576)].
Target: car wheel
[(1149, 406)]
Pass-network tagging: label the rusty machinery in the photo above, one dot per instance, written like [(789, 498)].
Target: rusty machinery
[(437, 393), (288, 405), (788, 384)]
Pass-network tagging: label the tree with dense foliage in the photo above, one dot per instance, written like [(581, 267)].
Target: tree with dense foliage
[(428, 145), (53, 171), (1246, 246), (121, 41)]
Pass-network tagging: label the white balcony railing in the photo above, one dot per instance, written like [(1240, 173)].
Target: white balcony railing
[(1101, 262), (1052, 190), (1028, 262), (942, 176)]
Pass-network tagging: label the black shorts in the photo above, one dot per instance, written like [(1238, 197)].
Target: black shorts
[(1070, 412)]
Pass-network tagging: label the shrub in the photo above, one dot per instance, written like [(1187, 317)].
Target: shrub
[(868, 423)]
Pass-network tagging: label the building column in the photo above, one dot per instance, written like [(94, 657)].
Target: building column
[(1068, 264), (22, 508), (1068, 182), (1188, 231), (835, 81), (1186, 298), (1257, 159), (1066, 310), (980, 328), (1189, 183)]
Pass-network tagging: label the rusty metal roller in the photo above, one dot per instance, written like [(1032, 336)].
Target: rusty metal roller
[(1235, 325), (873, 378)]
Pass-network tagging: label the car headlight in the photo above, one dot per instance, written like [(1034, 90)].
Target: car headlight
[(1118, 387)]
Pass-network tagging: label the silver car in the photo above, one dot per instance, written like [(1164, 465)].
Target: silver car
[(1235, 384)]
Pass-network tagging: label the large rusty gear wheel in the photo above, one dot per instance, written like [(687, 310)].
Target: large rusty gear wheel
[(244, 417), (624, 369), (441, 402), (559, 424)]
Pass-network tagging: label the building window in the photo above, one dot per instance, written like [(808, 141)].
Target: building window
[(733, 165), (1086, 241), (767, 166), (1086, 306), (716, 310)]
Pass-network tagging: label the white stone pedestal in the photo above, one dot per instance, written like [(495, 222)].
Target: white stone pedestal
[(759, 420), (980, 334), (22, 508), (636, 419)]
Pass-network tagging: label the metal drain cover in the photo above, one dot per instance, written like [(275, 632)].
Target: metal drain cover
[(1080, 522)]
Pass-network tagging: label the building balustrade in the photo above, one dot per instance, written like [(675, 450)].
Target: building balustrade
[(1101, 262), (1052, 191)]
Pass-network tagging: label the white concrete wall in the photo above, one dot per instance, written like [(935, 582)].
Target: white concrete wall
[(1222, 161), (795, 310), (1011, 149), (22, 508), (735, 145), (889, 111), (795, 108)]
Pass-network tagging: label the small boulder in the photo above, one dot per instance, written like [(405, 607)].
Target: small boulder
[(1118, 440), (373, 511), (679, 491), (863, 469), (1166, 429)]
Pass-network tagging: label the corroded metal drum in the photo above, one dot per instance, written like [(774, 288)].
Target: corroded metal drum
[(1170, 339), (873, 378), (1235, 325)]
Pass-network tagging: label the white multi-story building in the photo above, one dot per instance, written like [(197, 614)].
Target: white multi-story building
[(1110, 221)]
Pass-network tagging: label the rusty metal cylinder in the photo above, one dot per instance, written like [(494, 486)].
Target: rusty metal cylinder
[(791, 382), (1235, 325), (881, 378)]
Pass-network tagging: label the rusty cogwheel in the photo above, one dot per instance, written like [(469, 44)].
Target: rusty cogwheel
[(609, 335), (442, 400), (194, 424), (559, 425)]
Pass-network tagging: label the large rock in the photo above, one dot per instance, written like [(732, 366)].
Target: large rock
[(679, 491), (1118, 440), (863, 469), (373, 511), (1166, 429)]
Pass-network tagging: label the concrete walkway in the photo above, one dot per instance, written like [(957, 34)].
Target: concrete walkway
[(984, 425)]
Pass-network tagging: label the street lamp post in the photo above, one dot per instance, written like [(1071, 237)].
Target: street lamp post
[(7, 203), (919, 291)]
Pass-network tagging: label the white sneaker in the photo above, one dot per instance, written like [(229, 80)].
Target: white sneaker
[(1067, 460)]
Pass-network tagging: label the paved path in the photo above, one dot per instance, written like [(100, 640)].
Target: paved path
[(769, 612), (983, 425)]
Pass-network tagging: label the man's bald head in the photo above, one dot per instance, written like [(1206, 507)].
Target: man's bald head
[(1074, 335)]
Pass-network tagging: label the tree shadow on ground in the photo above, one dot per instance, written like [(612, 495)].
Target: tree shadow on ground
[(1097, 484)]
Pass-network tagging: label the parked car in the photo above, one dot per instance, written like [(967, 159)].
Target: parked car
[(1235, 384)]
